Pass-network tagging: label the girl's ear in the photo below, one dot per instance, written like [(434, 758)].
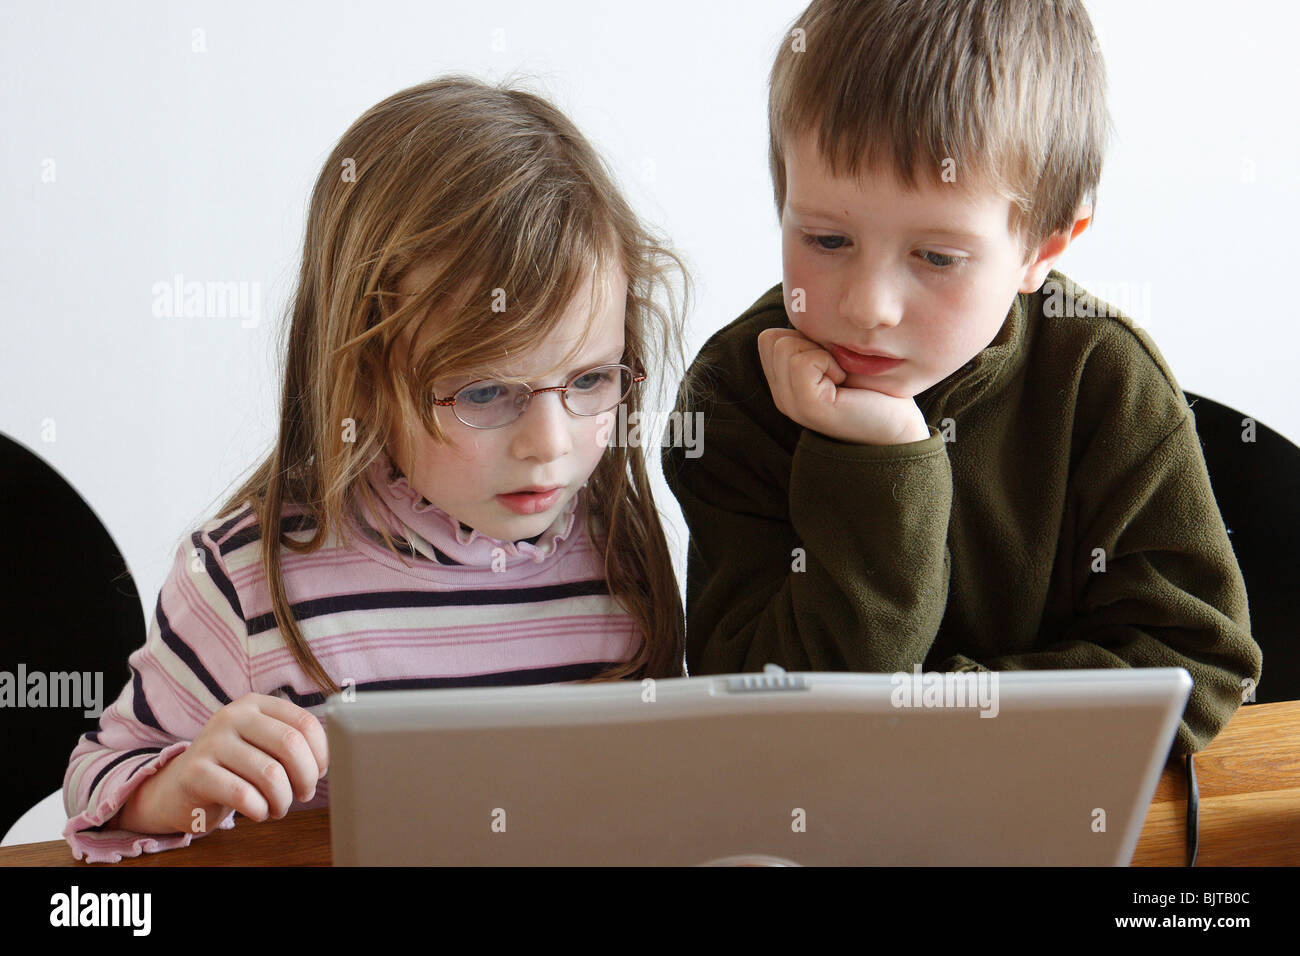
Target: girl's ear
[(366, 416)]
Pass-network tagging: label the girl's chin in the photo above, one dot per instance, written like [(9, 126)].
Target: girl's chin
[(511, 531)]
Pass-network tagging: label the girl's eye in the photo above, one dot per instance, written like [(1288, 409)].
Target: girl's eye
[(591, 380), (484, 394), (825, 243)]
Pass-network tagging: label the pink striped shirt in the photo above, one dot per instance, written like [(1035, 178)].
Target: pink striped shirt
[(458, 609)]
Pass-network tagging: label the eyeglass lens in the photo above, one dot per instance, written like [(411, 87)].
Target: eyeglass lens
[(490, 404)]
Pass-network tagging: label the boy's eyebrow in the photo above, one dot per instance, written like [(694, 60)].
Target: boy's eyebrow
[(809, 211), (948, 231), (953, 233)]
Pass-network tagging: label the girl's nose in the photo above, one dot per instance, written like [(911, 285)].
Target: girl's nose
[(543, 431)]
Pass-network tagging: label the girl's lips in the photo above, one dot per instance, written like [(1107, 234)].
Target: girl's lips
[(531, 502), (858, 364)]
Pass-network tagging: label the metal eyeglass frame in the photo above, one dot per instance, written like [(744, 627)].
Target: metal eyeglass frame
[(450, 402)]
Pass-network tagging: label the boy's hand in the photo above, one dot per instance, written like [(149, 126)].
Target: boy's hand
[(253, 755), (806, 386)]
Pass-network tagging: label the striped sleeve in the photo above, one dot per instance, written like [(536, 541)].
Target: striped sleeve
[(193, 663)]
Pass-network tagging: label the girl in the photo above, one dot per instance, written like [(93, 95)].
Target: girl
[(476, 301)]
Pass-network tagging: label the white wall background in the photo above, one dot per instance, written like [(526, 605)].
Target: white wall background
[(173, 161)]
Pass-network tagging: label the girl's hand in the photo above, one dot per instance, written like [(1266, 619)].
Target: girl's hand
[(806, 384), (253, 755)]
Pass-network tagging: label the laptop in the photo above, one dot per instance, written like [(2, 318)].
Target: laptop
[(831, 769)]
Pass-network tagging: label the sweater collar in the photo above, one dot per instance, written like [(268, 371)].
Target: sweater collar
[(986, 372), (436, 535)]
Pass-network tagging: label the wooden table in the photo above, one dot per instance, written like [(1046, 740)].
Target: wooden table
[(1249, 780)]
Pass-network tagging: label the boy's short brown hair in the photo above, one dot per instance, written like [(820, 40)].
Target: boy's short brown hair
[(1007, 95)]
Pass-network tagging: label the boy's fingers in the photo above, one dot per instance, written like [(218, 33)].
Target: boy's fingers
[(764, 353), (772, 334), (772, 341), (782, 391), (813, 377), (833, 370), (796, 368), (774, 367), (769, 344)]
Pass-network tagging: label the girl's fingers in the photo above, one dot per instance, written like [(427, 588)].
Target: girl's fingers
[(286, 744), (214, 785), (305, 723), (261, 771)]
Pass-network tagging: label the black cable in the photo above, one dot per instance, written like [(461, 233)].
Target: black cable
[(1193, 812)]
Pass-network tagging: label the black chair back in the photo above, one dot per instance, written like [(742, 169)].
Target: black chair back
[(71, 615), (1255, 483)]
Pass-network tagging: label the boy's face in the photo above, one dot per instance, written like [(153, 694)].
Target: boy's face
[(546, 447), (878, 273)]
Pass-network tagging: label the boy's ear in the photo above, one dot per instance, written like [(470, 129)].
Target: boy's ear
[(1082, 220), (1053, 248)]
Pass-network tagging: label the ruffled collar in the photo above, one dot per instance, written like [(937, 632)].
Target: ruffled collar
[(437, 536)]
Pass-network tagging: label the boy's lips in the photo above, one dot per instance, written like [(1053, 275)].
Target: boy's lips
[(866, 353), (860, 363)]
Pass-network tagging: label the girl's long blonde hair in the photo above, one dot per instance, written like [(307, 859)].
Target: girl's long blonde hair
[(497, 190)]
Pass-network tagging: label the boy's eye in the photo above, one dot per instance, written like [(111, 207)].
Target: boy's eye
[(943, 260), (828, 243)]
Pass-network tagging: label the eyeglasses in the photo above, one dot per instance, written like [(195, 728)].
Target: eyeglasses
[(492, 404)]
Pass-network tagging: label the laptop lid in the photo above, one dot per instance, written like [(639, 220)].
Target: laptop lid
[(1018, 768)]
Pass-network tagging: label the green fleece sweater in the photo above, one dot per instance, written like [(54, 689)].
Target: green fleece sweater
[(1058, 516)]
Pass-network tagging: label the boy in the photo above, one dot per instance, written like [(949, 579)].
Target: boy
[(926, 446)]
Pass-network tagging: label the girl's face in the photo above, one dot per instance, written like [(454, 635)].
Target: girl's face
[(546, 447)]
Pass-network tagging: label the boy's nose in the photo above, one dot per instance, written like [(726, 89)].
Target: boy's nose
[(871, 299), (543, 430)]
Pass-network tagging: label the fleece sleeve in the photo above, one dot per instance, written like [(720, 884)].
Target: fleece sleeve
[(193, 663), (1155, 581), (832, 556)]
